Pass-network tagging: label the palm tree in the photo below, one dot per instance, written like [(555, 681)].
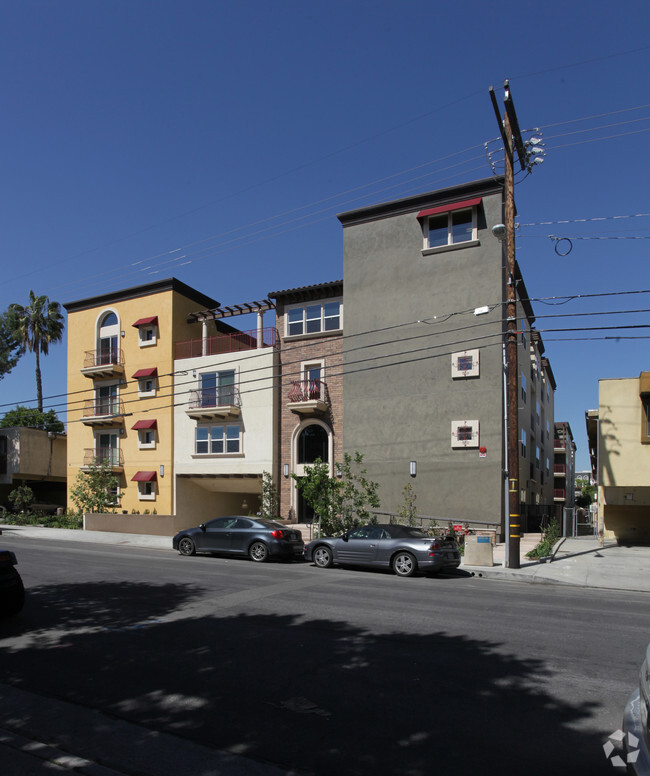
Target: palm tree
[(37, 326)]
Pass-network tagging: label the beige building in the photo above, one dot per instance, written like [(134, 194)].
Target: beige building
[(36, 458), (619, 441)]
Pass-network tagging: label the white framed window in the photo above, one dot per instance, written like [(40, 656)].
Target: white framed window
[(465, 363), (464, 433), (107, 399), (147, 335), (218, 388), (218, 439), (146, 438), (523, 443), (147, 491), (456, 228), (523, 387), (537, 454), (146, 387), (316, 318)]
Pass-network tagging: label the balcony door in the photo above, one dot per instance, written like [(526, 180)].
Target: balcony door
[(106, 448), (107, 351)]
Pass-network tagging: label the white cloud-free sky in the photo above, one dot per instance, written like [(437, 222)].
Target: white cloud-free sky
[(215, 142)]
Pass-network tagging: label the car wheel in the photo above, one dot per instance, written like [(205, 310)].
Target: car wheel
[(322, 556), (258, 551), (404, 564), (186, 546)]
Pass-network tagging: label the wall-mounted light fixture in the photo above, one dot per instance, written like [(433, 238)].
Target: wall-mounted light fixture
[(193, 372), (286, 470), (339, 471), (122, 333), (162, 470), (413, 468), (244, 505)]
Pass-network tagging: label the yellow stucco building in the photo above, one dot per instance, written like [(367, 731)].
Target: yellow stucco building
[(121, 349), (619, 441)]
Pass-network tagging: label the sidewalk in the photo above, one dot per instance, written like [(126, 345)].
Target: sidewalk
[(578, 560)]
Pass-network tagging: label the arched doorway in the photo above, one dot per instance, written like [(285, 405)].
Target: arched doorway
[(312, 443), (107, 337)]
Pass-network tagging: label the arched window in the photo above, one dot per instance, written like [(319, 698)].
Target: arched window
[(107, 339), (313, 444)]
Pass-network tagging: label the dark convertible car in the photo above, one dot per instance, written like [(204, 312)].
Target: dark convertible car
[(402, 548), (256, 537)]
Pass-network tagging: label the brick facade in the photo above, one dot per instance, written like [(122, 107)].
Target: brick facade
[(325, 348)]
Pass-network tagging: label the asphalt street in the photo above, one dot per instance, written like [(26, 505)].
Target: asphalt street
[(208, 665)]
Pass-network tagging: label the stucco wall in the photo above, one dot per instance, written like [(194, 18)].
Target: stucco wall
[(400, 397), (624, 462)]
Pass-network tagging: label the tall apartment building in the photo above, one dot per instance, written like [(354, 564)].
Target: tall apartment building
[(564, 467), (309, 323), (423, 385), (121, 386)]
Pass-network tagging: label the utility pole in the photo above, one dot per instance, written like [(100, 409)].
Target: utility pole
[(512, 141)]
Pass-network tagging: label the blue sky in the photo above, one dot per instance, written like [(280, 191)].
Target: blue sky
[(215, 142)]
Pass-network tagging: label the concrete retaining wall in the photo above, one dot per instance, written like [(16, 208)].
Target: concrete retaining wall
[(152, 525)]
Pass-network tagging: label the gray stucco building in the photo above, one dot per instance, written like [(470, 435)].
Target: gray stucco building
[(425, 290)]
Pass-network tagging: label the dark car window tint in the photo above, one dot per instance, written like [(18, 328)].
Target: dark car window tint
[(241, 523)]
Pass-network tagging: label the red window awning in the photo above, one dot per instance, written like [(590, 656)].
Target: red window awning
[(144, 321), (151, 372), (153, 423), (144, 477), (432, 211)]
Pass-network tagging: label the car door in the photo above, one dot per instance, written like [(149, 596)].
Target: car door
[(217, 535), (241, 534), (361, 546)]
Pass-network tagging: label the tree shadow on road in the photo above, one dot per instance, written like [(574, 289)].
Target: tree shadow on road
[(318, 695)]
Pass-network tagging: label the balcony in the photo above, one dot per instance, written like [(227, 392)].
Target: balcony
[(308, 397), (559, 444), (214, 403), (559, 469), (102, 412), (559, 494), (105, 362), (99, 455), (225, 343)]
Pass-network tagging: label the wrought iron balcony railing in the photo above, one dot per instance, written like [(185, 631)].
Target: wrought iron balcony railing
[(99, 455)]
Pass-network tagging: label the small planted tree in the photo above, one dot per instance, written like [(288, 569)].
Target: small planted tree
[(341, 503), (30, 417), (22, 497), (269, 500), (94, 489), (408, 512)]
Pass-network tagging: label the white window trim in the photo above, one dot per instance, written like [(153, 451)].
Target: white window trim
[(459, 443), (322, 332), (146, 445), (142, 393), (147, 496), (456, 372), (144, 343), (450, 246), (225, 454)]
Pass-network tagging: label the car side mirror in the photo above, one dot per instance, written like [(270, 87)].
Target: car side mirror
[(345, 537), (202, 526)]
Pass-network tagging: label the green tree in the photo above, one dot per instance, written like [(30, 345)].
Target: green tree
[(408, 512), (343, 502), (11, 348), (586, 497), (21, 497), (36, 327), (94, 488), (269, 500), (30, 417)]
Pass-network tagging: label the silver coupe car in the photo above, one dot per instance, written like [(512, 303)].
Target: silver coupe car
[(402, 548)]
